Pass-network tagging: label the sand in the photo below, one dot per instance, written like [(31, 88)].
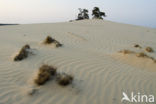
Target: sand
[(89, 53)]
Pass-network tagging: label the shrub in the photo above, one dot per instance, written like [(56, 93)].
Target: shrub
[(149, 49), (50, 40), (42, 78), (23, 53), (58, 44), (47, 68), (44, 74), (64, 79), (137, 46)]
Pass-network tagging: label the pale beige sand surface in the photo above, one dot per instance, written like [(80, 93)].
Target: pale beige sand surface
[(89, 53), (143, 63)]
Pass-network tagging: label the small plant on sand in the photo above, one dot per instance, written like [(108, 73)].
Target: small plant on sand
[(141, 54), (137, 46), (126, 51), (44, 74), (58, 44), (23, 53), (50, 40), (64, 79), (42, 78), (46, 68), (149, 49)]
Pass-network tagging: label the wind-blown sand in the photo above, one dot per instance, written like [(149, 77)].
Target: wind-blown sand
[(89, 53)]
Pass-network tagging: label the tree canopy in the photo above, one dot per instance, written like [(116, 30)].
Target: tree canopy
[(83, 14), (97, 13)]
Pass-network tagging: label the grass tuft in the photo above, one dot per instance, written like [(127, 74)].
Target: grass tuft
[(64, 79), (47, 68), (50, 40), (44, 74), (137, 46), (149, 49), (23, 53)]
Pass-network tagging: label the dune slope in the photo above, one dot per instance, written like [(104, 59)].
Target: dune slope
[(88, 47)]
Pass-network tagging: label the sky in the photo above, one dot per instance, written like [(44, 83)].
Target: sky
[(137, 12)]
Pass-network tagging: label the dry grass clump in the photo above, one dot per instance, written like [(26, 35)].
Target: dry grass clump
[(64, 79), (126, 51), (47, 68), (58, 44), (23, 53), (141, 54), (149, 49), (137, 46), (50, 40), (42, 78), (44, 74)]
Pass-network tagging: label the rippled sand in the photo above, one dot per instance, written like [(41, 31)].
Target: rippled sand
[(89, 53)]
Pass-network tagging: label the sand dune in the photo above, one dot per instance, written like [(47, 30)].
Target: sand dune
[(89, 53)]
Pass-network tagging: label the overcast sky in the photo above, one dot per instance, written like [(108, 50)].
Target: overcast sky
[(138, 12)]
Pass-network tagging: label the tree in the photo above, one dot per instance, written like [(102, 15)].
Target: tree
[(83, 14), (97, 13)]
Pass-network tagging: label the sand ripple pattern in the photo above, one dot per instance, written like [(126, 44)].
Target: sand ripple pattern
[(99, 78)]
